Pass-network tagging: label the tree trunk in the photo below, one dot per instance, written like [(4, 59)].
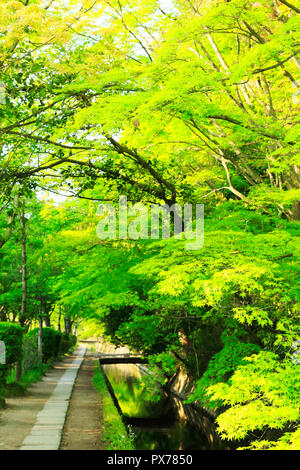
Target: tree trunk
[(10, 222), (296, 210), (40, 339), (59, 318), (24, 282), (18, 370), (68, 324), (24, 267)]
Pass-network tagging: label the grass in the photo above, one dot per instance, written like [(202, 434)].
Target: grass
[(34, 375), (13, 388), (115, 434), (10, 388)]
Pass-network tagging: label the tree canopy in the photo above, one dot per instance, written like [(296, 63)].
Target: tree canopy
[(164, 102)]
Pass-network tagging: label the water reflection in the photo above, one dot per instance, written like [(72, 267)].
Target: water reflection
[(131, 394), (166, 424)]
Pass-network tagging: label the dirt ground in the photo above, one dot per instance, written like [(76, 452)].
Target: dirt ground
[(19, 415), (82, 430)]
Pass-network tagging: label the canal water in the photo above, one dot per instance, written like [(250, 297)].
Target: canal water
[(163, 423)]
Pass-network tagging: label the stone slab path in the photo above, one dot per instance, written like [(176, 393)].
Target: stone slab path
[(46, 433), (20, 413)]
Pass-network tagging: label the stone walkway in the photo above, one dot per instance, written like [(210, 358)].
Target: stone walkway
[(46, 433)]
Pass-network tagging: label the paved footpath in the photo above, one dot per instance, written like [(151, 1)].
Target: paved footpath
[(46, 433)]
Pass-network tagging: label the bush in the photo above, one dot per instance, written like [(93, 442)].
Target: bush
[(30, 357), (51, 342), (68, 342), (64, 344), (11, 334), (73, 340), (54, 343)]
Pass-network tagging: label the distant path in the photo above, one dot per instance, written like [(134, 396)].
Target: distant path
[(82, 429), (20, 414)]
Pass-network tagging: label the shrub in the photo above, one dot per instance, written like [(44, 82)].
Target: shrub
[(51, 342), (68, 342), (73, 340), (11, 334), (64, 344), (30, 357)]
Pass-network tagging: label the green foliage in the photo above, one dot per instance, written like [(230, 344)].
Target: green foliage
[(114, 432), (72, 341), (146, 331), (11, 334), (289, 441), (50, 343), (14, 388), (166, 362), (195, 102), (67, 343), (263, 394), (221, 367), (30, 359), (33, 375), (89, 329)]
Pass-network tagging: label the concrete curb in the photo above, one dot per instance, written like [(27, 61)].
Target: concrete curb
[(46, 434)]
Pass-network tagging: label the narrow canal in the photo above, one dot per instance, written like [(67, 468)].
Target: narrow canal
[(158, 424)]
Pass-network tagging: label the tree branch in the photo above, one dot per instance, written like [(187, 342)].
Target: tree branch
[(288, 4)]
